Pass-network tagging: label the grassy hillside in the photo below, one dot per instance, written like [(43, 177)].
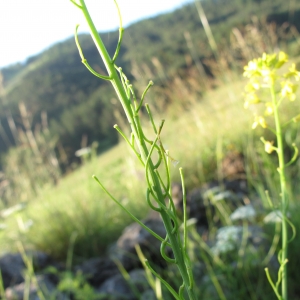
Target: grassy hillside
[(199, 138)]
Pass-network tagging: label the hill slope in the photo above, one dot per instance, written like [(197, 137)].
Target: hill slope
[(78, 104)]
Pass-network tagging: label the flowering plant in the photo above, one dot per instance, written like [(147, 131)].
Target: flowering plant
[(158, 195), (264, 73)]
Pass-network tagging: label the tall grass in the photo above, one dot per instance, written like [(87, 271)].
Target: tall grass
[(76, 205)]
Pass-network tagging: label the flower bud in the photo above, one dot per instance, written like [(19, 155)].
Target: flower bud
[(282, 59), (259, 121), (288, 89), (252, 69), (293, 72), (269, 147), (251, 98), (296, 119), (269, 109)]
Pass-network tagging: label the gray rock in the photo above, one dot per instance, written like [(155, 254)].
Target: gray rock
[(197, 206), (238, 186), (40, 259), (148, 295), (209, 291), (44, 286), (206, 198), (97, 270), (12, 265), (124, 250), (117, 287)]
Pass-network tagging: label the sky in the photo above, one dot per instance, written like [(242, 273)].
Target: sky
[(28, 27)]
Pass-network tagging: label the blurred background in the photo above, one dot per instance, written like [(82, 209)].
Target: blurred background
[(56, 119)]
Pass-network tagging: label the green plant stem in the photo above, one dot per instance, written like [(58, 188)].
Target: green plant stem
[(125, 101), (2, 289), (284, 200)]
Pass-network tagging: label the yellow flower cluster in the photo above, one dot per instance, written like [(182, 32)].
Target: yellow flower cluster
[(265, 66), (263, 73)]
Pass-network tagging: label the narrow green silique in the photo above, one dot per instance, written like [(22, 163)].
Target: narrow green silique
[(158, 189), (264, 74)]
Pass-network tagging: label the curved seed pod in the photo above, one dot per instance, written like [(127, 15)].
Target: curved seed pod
[(163, 254), (172, 216), (181, 290), (138, 155), (293, 159), (144, 94), (84, 61), (161, 181), (147, 163), (158, 162), (123, 80), (189, 270), (150, 117), (163, 154), (121, 31), (293, 230), (159, 209)]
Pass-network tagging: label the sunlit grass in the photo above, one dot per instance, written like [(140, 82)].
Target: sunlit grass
[(77, 205)]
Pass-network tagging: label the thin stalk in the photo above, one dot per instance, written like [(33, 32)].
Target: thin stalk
[(284, 200), (2, 289), (208, 32)]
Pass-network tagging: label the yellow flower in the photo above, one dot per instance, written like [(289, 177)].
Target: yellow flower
[(252, 69), (293, 72), (252, 86), (288, 89), (269, 76), (259, 121), (251, 98), (282, 59), (269, 147), (269, 109), (269, 60)]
